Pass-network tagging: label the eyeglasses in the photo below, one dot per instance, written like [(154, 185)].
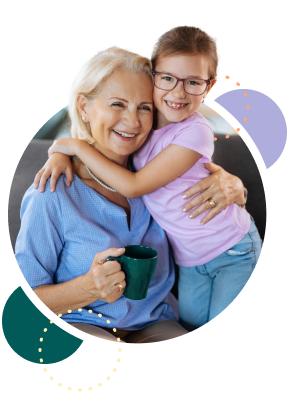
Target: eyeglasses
[(192, 86)]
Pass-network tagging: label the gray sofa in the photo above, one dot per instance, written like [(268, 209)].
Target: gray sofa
[(232, 154)]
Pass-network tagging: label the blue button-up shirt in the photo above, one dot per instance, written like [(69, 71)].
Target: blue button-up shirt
[(60, 234)]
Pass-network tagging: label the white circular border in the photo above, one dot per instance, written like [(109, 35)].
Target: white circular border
[(270, 219)]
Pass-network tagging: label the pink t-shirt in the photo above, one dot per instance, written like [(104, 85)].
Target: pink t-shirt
[(193, 244)]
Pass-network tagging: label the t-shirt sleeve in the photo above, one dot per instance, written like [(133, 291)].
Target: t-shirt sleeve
[(40, 240), (198, 137)]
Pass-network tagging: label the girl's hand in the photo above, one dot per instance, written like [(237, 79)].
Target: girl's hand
[(221, 186), (58, 163), (102, 278), (66, 146)]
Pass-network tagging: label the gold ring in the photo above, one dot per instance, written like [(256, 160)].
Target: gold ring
[(119, 286), (211, 202)]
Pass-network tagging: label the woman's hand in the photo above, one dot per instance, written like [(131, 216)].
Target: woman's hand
[(221, 186), (66, 146), (57, 164), (99, 283), (102, 279)]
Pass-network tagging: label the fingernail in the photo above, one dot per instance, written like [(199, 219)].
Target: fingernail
[(202, 223), (190, 216), (69, 184), (120, 249), (184, 209), (40, 189), (51, 189), (184, 196)]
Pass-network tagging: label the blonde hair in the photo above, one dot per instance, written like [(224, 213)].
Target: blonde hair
[(186, 40), (92, 77)]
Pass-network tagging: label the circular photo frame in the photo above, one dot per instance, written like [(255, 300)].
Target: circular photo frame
[(270, 219)]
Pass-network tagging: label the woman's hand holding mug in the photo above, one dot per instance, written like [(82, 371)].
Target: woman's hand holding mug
[(103, 277)]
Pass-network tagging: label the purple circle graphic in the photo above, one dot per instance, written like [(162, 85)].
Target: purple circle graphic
[(262, 119)]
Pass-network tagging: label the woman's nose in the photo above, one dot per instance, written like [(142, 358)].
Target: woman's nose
[(132, 119)]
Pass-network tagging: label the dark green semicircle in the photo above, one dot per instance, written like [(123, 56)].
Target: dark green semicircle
[(23, 325)]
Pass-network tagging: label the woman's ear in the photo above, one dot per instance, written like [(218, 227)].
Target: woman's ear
[(81, 105)]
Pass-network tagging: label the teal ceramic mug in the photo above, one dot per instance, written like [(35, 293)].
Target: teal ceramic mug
[(138, 263)]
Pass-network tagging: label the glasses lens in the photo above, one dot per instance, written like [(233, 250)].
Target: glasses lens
[(164, 81), (195, 86)]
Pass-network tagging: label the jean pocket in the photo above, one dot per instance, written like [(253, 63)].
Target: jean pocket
[(244, 247), (232, 252)]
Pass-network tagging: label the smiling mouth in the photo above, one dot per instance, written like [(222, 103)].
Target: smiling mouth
[(174, 104), (124, 134)]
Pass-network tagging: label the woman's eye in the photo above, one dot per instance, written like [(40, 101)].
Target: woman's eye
[(146, 108), (118, 104)]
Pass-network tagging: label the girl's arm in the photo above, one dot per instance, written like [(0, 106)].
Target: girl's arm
[(167, 166), (58, 163)]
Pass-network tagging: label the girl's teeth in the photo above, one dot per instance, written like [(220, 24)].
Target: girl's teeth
[(124, 134), (175, 105)]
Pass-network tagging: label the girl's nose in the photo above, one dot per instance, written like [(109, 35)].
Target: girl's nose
[(178, 91)]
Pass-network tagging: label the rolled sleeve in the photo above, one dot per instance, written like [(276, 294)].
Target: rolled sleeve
[(40, 240)]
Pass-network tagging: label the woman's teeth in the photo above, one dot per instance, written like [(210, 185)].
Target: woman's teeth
[(175, 105), (124, 134)]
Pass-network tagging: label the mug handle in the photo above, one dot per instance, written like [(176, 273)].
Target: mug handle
[(118, 259)]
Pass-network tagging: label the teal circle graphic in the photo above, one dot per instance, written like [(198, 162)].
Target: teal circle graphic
[(31, 335)]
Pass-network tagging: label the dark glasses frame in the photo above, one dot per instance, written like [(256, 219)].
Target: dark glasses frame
[(207, 81)]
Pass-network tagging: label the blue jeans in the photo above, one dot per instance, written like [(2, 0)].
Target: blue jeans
[(206, 290)]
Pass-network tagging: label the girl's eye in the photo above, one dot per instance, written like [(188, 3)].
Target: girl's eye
[(167, 78), (192, 83)]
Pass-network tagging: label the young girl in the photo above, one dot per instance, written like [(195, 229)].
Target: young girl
[(215, 260)]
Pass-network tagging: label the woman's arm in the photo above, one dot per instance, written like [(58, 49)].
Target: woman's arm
[(167, 166), (98, 284), (40, 244), (223, 187)]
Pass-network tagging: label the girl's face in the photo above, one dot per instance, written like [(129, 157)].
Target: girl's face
[(181, 66)]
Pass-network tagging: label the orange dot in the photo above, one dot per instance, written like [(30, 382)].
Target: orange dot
[(245, 118), (227, 77), (237, 129), (245, 94), (215, 139), (238, 84), (247, 106), (226, 136)]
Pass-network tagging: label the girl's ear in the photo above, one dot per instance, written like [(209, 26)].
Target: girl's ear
[(212, 83)]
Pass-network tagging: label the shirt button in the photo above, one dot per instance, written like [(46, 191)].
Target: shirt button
[(252, 249)]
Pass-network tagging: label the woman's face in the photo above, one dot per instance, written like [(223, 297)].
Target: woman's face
[(120, 116)]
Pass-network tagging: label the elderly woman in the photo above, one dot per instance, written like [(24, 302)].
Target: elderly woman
[(63, 234)]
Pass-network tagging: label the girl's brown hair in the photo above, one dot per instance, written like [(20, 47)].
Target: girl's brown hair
[(186, 40)]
